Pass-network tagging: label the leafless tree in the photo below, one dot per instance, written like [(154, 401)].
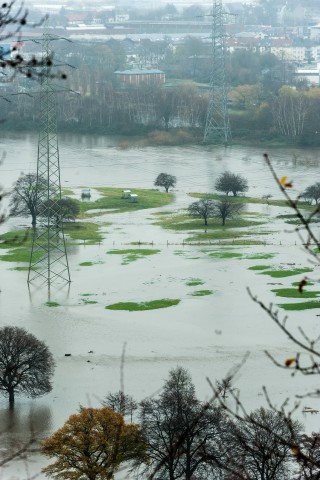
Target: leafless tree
[(226, 208), (255, 450), (203, 208), (26, 364), (310, 446), (290, 110), (121, 403), (180, 432), (14, 17)]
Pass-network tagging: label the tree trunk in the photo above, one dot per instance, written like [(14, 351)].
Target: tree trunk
[(223, 221), (11, 398), (205, 221)]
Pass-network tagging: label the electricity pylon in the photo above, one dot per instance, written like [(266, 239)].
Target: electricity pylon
[(48, 260), (217, 129)]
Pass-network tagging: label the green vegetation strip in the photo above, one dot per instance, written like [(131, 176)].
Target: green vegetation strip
[(241, 199), (16, 238), (133, 254), (223, 254), (285, 273), (259, 267), (294, 293), (201, 293), (299, 306), (260, 256), (52, 304), (186, 223), (139, 306), (85, 231), (21, 254), (193, 282), (111, 200)]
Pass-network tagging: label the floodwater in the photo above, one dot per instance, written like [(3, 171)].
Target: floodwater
[(209, 335)]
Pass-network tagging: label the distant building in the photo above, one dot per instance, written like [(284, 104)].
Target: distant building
[(137, 76), (310, 74)]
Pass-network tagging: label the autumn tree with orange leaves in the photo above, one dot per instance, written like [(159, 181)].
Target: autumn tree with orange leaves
[(92, 445)]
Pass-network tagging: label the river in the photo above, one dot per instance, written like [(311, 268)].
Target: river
[(209, 335)]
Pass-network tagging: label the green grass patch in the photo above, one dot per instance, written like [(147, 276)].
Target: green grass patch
[(85, 231), (21, 269), (186, 223), (259, 267), (242, 199), (86, 264), (227, 237), (193, 282), (16, 238), (133, 254), (260, 256), (294, 293), (111, 200), (286, 273), (52, 304), (21, 254), (297, 284), (88, 302), (202, 293), (300, 305), (140, 306), (88, 294), (223, 254), (159, 214), (66, 191)]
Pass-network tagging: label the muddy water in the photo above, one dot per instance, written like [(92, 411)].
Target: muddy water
[(209, 335)]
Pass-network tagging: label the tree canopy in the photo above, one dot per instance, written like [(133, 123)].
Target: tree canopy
[(92, 445), (231, 182), (165, 180), (26, 364), (23, 199)]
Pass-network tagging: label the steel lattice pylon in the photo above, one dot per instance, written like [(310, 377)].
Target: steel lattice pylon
[(217, 128), (48, 260)]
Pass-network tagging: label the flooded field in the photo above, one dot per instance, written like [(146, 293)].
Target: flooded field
[(207, 333)]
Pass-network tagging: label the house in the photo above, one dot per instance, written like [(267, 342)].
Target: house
[(137, 76)]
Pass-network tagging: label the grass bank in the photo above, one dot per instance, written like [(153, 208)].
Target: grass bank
[(111, 201), (140, 306)]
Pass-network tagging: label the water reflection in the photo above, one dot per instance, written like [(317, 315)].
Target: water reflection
[(35, 419)]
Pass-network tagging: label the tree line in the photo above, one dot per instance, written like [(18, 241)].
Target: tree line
[(261, 102), (177, 436)]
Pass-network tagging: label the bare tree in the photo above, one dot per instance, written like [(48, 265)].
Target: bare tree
[(203, 208), (310, 446), (225, 209), (225, 386), (180, 431), (255, 450), (15, 16), (26, 364), (121, 403), (290, 110)]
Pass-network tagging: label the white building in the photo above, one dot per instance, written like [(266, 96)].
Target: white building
[(310, 74)]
